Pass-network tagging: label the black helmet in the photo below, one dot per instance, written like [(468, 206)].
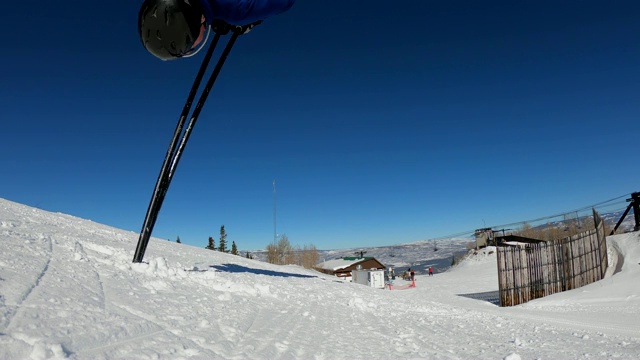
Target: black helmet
[(169, 28)]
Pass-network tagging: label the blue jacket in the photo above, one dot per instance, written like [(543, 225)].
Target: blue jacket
[(243, 12)]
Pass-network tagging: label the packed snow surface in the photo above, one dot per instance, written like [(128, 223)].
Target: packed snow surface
[(68, 289)]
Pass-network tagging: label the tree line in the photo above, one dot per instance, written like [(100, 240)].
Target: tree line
[(281, 252), (222, 244)]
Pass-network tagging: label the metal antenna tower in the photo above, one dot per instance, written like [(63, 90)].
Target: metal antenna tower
[(274, 212)]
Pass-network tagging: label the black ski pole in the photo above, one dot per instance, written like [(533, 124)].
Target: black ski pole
[(201, 101), (173, 155), (148, 224)]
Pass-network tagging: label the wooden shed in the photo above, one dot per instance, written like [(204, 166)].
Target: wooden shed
[(514, 240), (342, 267)]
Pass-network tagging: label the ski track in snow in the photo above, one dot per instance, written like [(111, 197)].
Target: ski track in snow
[(581, 323), (22, 300), (148, 328)]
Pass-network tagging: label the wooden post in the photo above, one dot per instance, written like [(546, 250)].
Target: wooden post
[(635, 201), (500, 274)]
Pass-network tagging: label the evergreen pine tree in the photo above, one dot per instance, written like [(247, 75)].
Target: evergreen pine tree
[(249, 256), (178, 240), (222, 247), (234, 248), (212, 244)]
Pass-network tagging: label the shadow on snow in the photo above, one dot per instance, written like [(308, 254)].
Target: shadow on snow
[(234, 268), (489, 296)]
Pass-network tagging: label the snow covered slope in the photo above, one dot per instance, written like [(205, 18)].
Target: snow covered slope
[(68, 289)]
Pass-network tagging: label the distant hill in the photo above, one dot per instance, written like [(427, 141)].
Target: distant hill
[(418, 255), (610, 220)]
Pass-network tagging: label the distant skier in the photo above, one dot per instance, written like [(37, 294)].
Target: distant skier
[(413, 274), (430, 271), (171, 29)]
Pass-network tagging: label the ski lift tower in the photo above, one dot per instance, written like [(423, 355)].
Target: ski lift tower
[(484, 237)]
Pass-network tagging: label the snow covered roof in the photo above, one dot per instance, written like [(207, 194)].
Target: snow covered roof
[(515, 243), (341, 263)]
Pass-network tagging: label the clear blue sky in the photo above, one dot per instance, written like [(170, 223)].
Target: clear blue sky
[(382, 122)]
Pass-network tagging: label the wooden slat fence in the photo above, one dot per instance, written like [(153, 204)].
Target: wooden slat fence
[(536, 270)]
